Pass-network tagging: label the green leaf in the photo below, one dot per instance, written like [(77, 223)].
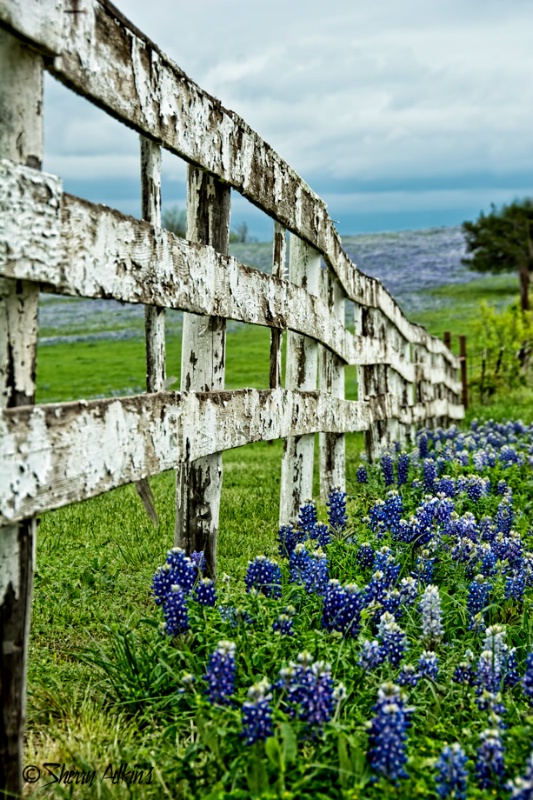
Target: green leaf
[(274, 753), (290, 743), (256, 776)]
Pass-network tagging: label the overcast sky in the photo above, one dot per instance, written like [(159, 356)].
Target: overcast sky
[(399, 113)]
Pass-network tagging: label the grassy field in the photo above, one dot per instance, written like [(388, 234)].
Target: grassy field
[(95, 560)]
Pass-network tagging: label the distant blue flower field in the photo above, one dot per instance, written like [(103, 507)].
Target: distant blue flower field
[(385, 652)]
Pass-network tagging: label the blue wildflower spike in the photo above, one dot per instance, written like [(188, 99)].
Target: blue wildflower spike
[(490, 764), (452, 774), (307, 516), (336, 503), (402, 469), (220, 674), (387, 469), (205, 593), (428, 665), (431, 614), (361, 475), (257, 713), (527, 680), (387, 734), (263, 575)]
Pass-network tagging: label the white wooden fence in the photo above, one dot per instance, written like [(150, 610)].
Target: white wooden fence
[(52, 455)]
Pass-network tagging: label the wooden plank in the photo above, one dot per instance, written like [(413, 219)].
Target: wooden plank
[(34, 21), (126, 439), (331, 379), (199, 484), (300, 373), (21, 141)]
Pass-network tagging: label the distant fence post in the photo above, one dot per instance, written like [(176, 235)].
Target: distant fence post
[(279, 253), (154, 316), (464, 379), (199, 484), (21, 97), (301, 373), (331, 380)]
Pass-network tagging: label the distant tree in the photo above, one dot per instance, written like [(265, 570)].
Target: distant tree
[(175, 220), (240, 233), (503, 241)]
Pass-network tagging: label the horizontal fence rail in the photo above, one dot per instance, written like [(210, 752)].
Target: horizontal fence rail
[(56, 454)]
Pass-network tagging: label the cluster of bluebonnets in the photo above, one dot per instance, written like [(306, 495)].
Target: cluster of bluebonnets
[(419, 524)]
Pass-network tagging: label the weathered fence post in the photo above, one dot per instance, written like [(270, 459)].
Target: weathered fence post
[(21, 141), (279, 252), (331, 380), (198, 484), (154, 316), (464, 379), (301, 373), (371, 380)]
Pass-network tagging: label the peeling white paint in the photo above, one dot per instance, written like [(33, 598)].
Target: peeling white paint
[(9, 561)]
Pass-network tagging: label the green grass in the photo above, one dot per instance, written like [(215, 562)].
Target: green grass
[(95, 560)]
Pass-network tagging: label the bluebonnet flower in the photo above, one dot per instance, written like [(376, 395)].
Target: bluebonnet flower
[(310, 691), (384, 562), (463, 673), (424, 568), (475, 487), (342, 608), (283, 624), (235, 616), (488, 673), (377, 519), (428, 665), (198, 558), (387, 469), (205, 593), (502, 487), (509, 456), (393, 639), (316, 575), (387, 734), (446, 486), (505, 515), (376, 590), (257, 713), (510, 672), (392, 512), (365, 555), (488, 560), (178, 570), (392, 601), (336, 503), (429, 471), (372, 655), (408, 676), (402, 468), (175, 611), (490, 765), (220, 674), (408, 590), (361, 475), (487, 529), (298, 563), (307, 516), (515, 585), (321, 535), (478, 595), (263, 575), (452, 773), (521, 788), (527, 680), (288, 538), (422, 446), (444, 509), (430, 610)]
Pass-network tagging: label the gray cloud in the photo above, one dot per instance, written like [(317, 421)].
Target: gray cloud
[(352, 91)]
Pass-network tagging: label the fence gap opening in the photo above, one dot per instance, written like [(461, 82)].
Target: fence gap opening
[(82, 142)]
